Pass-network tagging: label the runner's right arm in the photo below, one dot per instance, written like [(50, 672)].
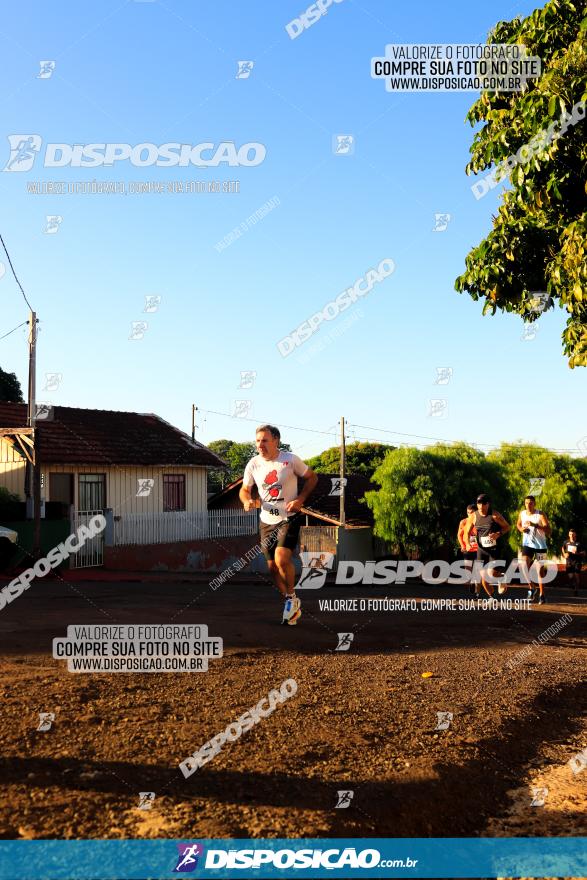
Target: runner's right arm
[(245, 490), (460, 535), (246, 498)]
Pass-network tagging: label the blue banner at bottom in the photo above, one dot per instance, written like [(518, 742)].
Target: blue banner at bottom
[(311, 857)]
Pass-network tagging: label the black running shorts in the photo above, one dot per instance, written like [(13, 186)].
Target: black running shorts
[(486, 554), (530, 552), (284, 534)]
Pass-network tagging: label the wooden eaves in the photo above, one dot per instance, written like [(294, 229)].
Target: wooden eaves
[(24, 437)]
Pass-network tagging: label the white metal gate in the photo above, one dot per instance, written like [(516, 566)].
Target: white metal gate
[(320, 539), (91, 553)]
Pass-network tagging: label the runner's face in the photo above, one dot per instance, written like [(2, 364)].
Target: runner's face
[(572, 535), (267, 445), (530, 505), (483, 507)]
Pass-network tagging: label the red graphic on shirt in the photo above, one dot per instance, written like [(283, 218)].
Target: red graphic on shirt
[(270, 483)]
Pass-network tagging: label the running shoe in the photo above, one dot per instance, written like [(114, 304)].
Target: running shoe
[(502, 588), (531, 595), (542, 600), (292, 611)]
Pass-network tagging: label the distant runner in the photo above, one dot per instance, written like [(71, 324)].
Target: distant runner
[(574, 555), (275, 472), (534, 526), (469, 548), (489, 526)]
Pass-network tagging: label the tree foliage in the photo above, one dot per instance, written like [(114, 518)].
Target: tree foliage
[(6, 496), (424, 493), (10, 389), (236, 455), (360, 458), (562, 495), (539, 237)]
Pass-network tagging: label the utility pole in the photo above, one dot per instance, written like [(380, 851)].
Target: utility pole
[(33, 488), (342, 469), (194, 408)]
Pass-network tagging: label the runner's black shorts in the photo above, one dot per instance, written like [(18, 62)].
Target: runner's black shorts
[(284, 534), (530, 552), (573, 566), (486, 554)]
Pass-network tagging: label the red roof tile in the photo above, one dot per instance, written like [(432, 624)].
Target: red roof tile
[(107, 437)]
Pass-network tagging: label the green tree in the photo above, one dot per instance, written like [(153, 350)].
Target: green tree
[(7, 496), (236, 455), (424, 494), (539, 237), (562, 495), (10, 389), (360, 458)]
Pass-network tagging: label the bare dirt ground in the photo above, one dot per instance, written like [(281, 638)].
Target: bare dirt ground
[(363, 720)]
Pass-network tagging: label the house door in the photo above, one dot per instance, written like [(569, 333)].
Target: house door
[(91, 501)]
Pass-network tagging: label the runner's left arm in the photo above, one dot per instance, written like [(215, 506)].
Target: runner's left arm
[(310, 479), (502, 523), (544, 524)]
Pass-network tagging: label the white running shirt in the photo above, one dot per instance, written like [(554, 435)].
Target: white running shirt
[(277, 483), (535, 538)]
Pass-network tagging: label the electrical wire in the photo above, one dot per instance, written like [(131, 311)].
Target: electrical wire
[(351, 425), (12, 331), (15, 275)]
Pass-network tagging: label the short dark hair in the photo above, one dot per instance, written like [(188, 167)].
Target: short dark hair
[(272, 430), (529, 498), (471, 507)]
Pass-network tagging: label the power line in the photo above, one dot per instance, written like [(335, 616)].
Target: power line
[(15, 275), (12, 331), (382, 431), (260, 421), (402, 433), (448, 441)]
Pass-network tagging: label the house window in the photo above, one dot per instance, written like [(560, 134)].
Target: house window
[(173, 492), (92, 492)]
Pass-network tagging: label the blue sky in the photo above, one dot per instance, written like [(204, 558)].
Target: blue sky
[(159, 72)]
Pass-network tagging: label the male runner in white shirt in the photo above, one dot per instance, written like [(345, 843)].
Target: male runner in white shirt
[(275, 472), (534, 526)]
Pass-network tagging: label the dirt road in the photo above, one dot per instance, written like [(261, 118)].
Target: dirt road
[(363, 720)]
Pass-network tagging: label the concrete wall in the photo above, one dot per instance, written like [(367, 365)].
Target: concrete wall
[(355, 544), (183, 556)]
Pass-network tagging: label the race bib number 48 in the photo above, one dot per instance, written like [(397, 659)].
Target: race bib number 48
[(275, 509)]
